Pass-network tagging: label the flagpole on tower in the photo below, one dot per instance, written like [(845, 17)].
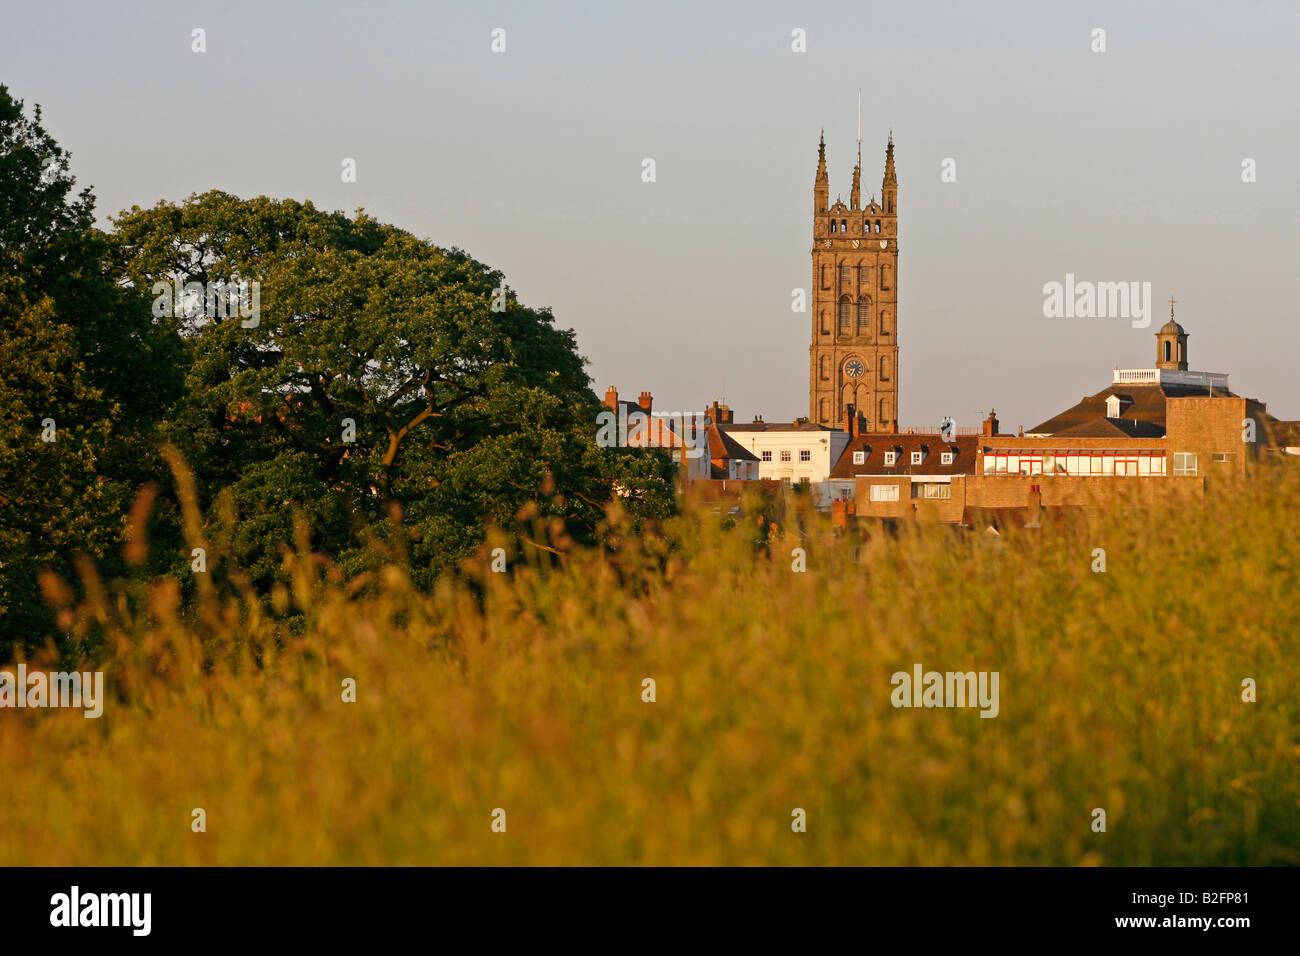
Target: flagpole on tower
[(859, 124)]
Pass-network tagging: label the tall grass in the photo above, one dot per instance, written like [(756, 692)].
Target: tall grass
[(523, 691)]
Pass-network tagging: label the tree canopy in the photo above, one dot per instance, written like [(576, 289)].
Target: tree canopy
[(83, 375), (305, 364)]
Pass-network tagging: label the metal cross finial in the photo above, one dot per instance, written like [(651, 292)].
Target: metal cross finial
[(1171, 307)]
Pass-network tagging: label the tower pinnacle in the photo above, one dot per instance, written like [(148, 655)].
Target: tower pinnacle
[(821, 185), (855, 196)]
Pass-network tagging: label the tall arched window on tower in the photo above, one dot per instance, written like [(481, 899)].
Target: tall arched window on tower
[(886, 327), (1180, 351), (846, 276), (825, 367), (884, 368), (884, 414), (824, 410), (826, 324), (845, 306), (864, 276), (1167, 350), (886, 275), (833, 224), (864, 318)]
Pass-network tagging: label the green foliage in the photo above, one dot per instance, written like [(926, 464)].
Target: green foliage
[(463, 416), (393, 395), (76, 349)]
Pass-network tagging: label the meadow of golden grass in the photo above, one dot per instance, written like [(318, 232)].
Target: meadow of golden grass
[(523, 691)]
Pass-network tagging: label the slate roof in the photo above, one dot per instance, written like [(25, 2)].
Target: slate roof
[(1112, 428), (1147, 408)]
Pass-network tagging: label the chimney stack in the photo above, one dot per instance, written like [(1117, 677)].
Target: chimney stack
[(611, 398), (719, 414), (645, 401), (991, 424)]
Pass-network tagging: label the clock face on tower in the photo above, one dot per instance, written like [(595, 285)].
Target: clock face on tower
[(853, 369)]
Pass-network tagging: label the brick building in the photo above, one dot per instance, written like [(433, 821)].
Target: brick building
[(921, 475), (1157, 431), (635, 425)]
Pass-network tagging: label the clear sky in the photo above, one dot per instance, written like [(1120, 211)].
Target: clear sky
[(1122, 165)]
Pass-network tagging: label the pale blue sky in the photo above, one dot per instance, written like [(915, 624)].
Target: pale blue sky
[(1117, 166)]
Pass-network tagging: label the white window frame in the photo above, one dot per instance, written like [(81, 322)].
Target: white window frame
[(805, 454), (859, 458), (946, 458), (884, 493), (917, 457), (1188, 467), (931, 489), (891, 459)]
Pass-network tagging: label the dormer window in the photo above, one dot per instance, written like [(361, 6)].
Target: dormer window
[(917, 457), (1116, 404), (891, 459), (859, 458), (946, 458)]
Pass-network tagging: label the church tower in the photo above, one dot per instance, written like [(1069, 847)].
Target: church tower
[(854, 350)]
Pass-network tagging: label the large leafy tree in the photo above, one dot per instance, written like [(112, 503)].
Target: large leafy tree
[(81, 363), (383, 383)]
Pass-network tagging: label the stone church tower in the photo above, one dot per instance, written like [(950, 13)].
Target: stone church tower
[(854, 351)]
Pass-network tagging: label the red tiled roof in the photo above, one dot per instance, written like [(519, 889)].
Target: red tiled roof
[(722, 447), (932, 446)]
